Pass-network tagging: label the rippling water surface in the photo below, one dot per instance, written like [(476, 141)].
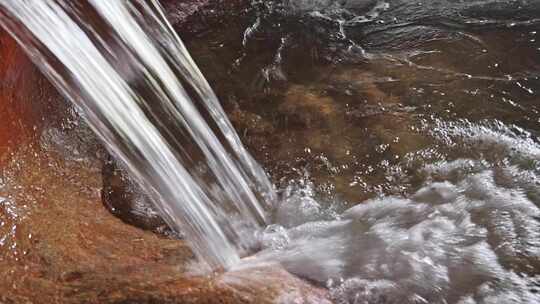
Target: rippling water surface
[(404, 136)]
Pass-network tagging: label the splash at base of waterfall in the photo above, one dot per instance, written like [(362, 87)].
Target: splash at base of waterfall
[(470, 234)]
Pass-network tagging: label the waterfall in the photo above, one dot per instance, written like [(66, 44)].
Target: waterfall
[(133, 80)]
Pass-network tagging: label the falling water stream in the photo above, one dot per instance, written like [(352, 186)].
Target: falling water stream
[(119, 62), (403, 136)]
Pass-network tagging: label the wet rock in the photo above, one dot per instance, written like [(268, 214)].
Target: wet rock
[(245, 121), (124, 198), (392, 123), (26, 97), (305, 106), (315, 120), (71, 137), (363, 84), (59, 244)]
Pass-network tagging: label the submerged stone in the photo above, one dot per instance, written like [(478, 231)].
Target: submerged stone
[(124, 198)]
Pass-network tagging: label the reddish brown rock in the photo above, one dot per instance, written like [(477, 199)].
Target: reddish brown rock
[(124, 198), (60, 245), (26, 97)]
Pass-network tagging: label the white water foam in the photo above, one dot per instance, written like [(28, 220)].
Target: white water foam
[(471, 234)]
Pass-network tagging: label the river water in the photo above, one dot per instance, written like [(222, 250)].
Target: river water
[(402, 136), (404, 139)]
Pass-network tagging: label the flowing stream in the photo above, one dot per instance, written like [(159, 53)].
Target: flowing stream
[(119, 62), (415, 145), (403, 136)]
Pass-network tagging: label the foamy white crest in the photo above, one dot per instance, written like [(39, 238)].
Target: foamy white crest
[(494, 137), (473, 241)]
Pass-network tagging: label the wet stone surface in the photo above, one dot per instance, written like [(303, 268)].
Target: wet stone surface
[(60, 244), (125, 199)]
